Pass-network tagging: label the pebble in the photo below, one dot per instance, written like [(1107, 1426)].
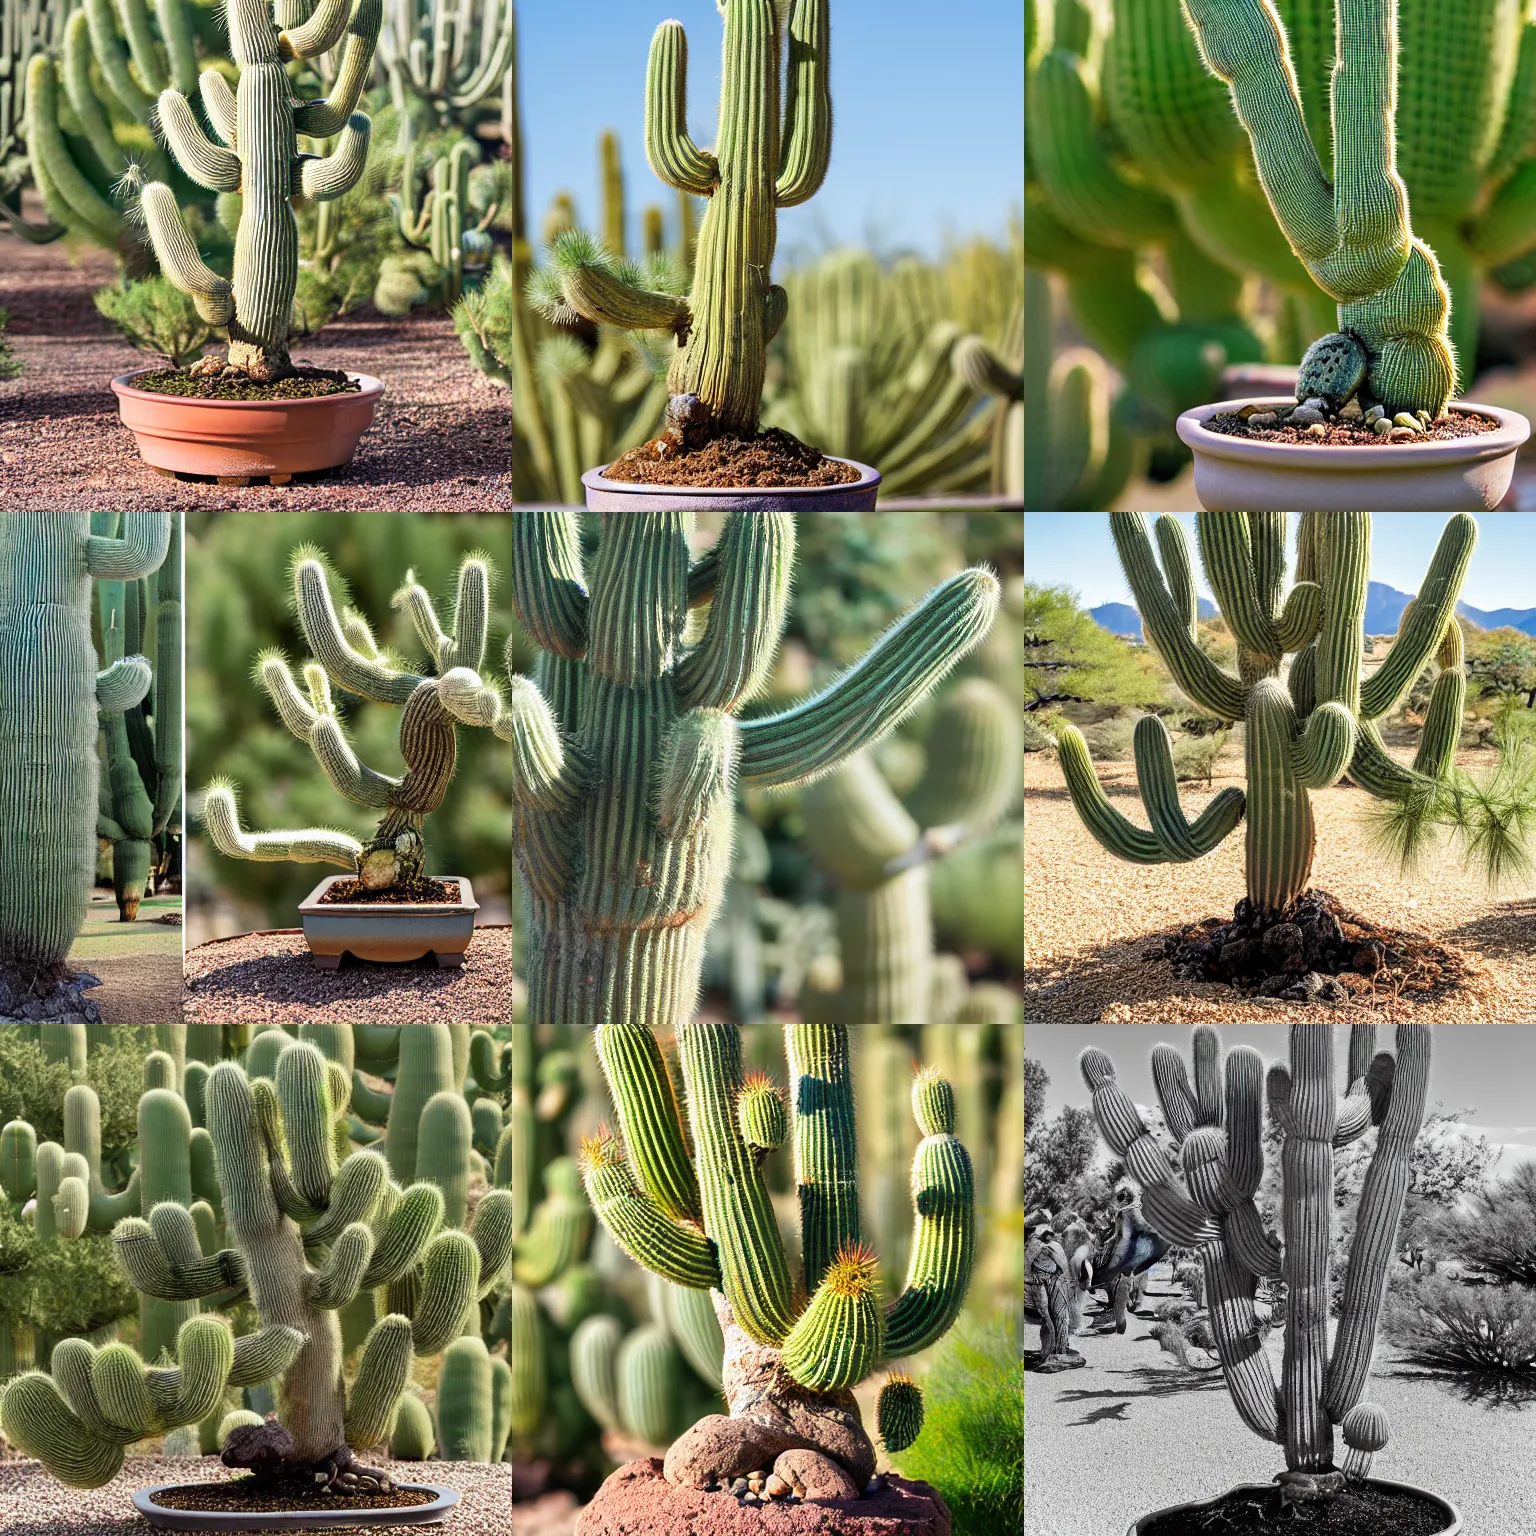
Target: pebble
[(739, 1486), (1381, 426), (1263, 419), (775, 1487), (1317, 429), (1376, 413), (1308, 415), (1315, 403), (1404, 434), (1403, 419)]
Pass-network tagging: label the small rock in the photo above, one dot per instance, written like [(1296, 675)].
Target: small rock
[(1381, 426), (1370, 957), (1375, 413), (1248, 411), (1283, 947), (1308, 415), (1350, 411), (1404, 434), (1317, 429), (1315, 403), (738, 1486), (1263, 419), (815, 1476), (1403, 419), (775, 1486), (750, 1498)]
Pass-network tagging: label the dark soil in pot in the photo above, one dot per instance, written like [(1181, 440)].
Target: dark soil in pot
[(402, 893), (772, 459), (1360, 1511), (1317, 952), (244, 1495), (1344, 433), (232, 384)]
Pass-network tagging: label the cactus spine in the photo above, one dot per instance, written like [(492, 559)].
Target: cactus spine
[(51, 699), (783, 1355), (1300, 735), (1216, 1124), (256, 153), (619, 895)]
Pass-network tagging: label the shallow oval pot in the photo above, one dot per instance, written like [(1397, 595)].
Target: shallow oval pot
[(240, 438), (166, 1519), (1446, 1508), (616, 496), (1468, 474), (381, 931)]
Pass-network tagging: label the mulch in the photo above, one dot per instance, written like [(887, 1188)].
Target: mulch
[(772, 458), (442, 438), (270, 978)]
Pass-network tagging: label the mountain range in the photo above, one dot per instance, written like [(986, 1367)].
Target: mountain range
[(1383, 609)]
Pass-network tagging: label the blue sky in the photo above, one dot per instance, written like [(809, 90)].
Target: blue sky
[(1484, 1068), (1074, 549), (928, 103)]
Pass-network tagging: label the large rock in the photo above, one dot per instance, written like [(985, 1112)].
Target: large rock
[(638, 1501)]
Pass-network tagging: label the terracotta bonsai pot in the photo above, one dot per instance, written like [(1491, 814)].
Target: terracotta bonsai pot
[(1467, 474), (235, 439), (618, 496), (1448, 1510), (381, 931), (164, 1518)]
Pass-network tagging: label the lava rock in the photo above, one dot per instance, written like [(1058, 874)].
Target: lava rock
[(1284, 946)]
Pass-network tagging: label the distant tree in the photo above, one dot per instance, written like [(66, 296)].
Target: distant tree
[(1070, 659), (1503, 663), (1495, 1230), (1057, 1152)]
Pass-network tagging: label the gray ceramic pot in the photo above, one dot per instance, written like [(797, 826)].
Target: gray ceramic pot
[(383, 932), (615, 496), (1448, 1510), (165, 1519)]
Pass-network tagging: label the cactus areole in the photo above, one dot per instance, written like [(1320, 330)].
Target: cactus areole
[(307, 1234)]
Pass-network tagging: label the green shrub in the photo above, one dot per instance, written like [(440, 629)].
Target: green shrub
[(1439, 1322), (10, 364), (972, 1445), (1194, 757), (1110, 740), (157, 317)]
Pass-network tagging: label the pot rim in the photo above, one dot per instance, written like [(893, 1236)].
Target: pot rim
[(1512, 431), (1446, 1507), (869, 477), (311, 905), (231, 1520), (124, 387)]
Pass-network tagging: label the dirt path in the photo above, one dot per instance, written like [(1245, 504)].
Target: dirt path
[(1090, 917), (1132, 1432), (442, 439)]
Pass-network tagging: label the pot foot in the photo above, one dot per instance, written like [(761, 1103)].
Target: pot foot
[(448, 962), (326, 962)]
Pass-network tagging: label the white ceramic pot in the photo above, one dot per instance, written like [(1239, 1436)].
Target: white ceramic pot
[(1465, 474)]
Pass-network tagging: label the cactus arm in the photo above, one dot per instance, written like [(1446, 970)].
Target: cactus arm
[(897, 673), (312, 845), (738, 1214), (407, 1231), (218, 104), (208, 164), (112, 58), (545, 776), (694, 771), (649, 1118), (369, 676), (1226, 551), (826, 1154), (325, 27), (82, 96), (1506, 228), (1421, 634), (608, 291), (212, 294), (382, 1374), (38, 1420), (265, 1354), (549, 591), (673, 155), (1301, 617), (450, 1282), (1324, 747), (1381, 1204), (163, 1259), (806, 146), (335, 1285), (139, 550), (123, 685), (731, 662), (323, 118), (326, 178)]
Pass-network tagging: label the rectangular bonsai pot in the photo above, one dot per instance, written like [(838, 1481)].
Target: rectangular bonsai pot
[(381, 931)]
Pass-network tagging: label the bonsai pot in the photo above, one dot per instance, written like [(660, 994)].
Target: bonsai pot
[(231, 439), (620, 496), (388, 931), (164, 1518), (1465, 474), (1448, 1510)]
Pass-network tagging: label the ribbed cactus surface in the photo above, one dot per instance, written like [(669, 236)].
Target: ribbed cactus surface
[(1301, 734), (622, 884), (52, 697)]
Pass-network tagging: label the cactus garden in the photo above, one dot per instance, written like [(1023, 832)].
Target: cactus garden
[(291, 1253), (1279, 1249)]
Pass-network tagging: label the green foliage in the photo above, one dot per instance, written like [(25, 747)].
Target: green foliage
[(157, 317), (1489, 1331), (32, 1088), (10, 364), (1194, 757), (1070, 658), (971, 1447), (1502, 663), (1058, 1152)]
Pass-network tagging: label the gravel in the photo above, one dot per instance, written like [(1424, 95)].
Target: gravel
[(1089, 917), (1132, 1432), (36, 1505), (442, 438), (270, 978), (554, 1514)]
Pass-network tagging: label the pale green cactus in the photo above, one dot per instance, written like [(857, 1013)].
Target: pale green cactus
[(452, 55)]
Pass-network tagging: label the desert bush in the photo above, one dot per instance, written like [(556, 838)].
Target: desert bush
[(1494, 1231), (1438, 1321), (10, 364), (1194, 757), (1057, 1152), (1111, 740), (157, 317)]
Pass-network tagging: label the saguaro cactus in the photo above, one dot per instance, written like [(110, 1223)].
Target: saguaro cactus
[(764, 160), (1352, 231), (431, 707), (703, 1219), (51, 699), (626, 745), (141, 798), (1209, 1205), (1301, 734), (257, 155), (288, 1201)]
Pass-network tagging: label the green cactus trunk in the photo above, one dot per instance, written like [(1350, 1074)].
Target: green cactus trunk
[(51, 697)]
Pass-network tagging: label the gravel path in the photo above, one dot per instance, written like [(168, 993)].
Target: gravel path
[(1089, 916), (442, 438), (35, 1505), (263, 978), (1132, 1431)]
